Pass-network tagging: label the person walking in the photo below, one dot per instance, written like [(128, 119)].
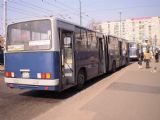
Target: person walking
[(140, 59), (147, 58), (156, 56)]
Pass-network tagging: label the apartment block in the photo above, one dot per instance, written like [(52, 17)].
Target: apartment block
[(135, 29)]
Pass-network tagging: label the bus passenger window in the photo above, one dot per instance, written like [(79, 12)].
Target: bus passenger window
[(67, 42)]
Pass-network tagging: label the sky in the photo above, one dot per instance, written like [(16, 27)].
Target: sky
[(92, 10)]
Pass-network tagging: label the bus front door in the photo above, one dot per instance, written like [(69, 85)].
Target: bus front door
[(67, 59)]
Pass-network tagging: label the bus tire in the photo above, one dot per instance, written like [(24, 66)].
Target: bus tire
[(114, 66), (80, 80)]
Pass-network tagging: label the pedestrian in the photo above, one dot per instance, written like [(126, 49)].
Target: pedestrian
[(156, 56), (147, 58), (140, 59)]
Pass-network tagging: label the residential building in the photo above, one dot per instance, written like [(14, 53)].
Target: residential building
[(135, 29)]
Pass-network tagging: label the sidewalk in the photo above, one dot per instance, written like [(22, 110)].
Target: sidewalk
[(135, 95), (129, 94)]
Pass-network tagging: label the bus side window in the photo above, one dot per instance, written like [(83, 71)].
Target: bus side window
[(68, 42), (108, 40)]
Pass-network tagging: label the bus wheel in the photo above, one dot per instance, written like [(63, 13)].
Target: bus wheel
[(80, 80), (114, 67)]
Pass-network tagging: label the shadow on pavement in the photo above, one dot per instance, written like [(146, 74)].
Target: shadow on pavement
[(64, 94), (130, 87), (67, 93)]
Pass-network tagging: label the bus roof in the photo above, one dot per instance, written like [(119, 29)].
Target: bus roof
[(58, 19)]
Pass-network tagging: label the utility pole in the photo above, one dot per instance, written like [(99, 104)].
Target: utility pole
[(80, 12), (155, 42), (5, 18), (120, 17)]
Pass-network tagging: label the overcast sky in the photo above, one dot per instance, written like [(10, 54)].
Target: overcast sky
[(97, 10)]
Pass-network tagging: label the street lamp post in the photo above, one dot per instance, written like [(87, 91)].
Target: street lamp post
[(120, 16), (155, 41), (80, 12)]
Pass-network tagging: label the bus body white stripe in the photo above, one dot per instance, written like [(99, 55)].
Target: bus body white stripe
[(41, 82)]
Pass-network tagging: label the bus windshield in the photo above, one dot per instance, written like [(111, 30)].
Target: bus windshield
[(32, 35)]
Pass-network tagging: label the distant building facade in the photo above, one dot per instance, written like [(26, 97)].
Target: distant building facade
[(136, 29)]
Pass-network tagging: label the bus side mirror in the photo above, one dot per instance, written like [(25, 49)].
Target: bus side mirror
[(68, 42)]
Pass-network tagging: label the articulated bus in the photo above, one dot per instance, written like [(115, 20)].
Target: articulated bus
[(52, 54), (117, 52)]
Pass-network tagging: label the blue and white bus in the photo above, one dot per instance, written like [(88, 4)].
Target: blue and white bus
[(52, 54), (117, 52)]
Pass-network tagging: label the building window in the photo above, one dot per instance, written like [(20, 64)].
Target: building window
[(142, 26), (123, 24), (115, 28), (108, 26), (134, 38), (123, 30), (133, 30), (149, 27), (80, 38)]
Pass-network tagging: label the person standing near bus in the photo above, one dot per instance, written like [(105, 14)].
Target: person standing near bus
[(147, 58)]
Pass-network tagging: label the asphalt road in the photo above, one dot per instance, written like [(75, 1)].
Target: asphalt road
[(129, 94), (18, 104), (24, 105)]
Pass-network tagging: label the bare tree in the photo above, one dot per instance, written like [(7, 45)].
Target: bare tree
[(95, 26), (1, 41)]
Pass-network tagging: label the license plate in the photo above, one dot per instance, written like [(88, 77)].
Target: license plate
[(25, 75)]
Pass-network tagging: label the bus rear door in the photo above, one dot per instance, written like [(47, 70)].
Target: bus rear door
[(101, 57), (67, 59)]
